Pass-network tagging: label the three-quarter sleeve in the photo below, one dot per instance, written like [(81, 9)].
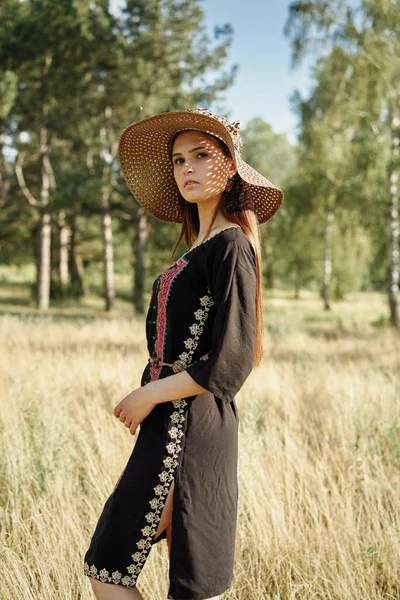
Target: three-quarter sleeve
[(232, 276)]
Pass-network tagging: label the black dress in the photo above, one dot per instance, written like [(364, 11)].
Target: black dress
[(202, 312)]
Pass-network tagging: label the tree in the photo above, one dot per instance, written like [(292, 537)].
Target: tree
[(53, 71), (368, 36), (81, 75), (275, 158)]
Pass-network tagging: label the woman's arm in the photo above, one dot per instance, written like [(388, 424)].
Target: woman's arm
[(135, 407), (173, 387)]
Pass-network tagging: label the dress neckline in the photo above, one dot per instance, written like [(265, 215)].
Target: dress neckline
[(199, 245), (210, 238)]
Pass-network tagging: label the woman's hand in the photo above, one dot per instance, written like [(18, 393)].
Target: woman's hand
[(133, 409)]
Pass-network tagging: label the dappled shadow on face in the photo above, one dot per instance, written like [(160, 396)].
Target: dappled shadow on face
[(202, 169)]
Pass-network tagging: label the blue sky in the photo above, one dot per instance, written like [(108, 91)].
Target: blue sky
[(265, 79)]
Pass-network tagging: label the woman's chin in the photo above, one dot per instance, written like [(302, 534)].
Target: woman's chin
[(196, 198)]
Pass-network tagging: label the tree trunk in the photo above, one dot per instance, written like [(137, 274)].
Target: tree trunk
[(75, 261), (47, 183), (108, 257), (64, 234), (108, 250), (110, 146), (5, 174), (44, 231), (393, 226), (43, 265), (326, 287), (54, 258), (139, 220), (297, 285)]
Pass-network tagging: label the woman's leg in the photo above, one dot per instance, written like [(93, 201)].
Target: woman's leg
[(109, 591), (166, 514)]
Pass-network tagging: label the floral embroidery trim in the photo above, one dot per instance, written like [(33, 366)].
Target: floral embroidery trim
[(166, 279), (201, 315), (153, 517)]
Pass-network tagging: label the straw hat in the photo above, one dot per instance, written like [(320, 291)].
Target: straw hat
[(145, 159)]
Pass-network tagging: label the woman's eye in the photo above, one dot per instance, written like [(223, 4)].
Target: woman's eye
[(202, 155), (178, 161)]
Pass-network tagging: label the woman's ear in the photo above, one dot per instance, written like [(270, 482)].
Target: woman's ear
[(232, 169)]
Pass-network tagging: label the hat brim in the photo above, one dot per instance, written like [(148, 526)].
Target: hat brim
[(144, 155)]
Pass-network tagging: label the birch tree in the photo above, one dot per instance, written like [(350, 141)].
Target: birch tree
[(369, 35)]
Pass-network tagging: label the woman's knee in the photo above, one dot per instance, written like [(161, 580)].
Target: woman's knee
[(110, 591)]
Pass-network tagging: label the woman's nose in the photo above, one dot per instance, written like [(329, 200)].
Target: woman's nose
[(188, 168)]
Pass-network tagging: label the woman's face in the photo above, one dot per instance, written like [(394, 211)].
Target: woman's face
[(201, 168)]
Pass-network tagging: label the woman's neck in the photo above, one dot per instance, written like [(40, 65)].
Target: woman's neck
[(205, 215)]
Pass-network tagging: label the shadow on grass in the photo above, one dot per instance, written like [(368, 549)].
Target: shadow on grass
[(126, 348), (15, 301), (84, 315), (6, 285)]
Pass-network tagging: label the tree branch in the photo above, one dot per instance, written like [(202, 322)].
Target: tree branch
[(21, 180)]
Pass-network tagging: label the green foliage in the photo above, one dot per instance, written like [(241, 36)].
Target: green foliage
[(79, 74), (270, 153), (8, 92), (345, 139), (352, 255)]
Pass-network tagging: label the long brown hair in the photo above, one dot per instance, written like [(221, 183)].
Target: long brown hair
[(233, 207)]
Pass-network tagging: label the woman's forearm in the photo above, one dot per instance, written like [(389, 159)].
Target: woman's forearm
[(173, 387)]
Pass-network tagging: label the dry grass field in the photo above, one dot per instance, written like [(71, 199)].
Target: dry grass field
[(319, 469)]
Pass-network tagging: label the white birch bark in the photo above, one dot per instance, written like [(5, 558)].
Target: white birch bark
[(108, 258), (327, 276), (64, 237), (393, 224), (43, 258), (140, 236), (44, 262), (109, 147)]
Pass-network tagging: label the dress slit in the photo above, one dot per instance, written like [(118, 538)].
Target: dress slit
[(171, 492)]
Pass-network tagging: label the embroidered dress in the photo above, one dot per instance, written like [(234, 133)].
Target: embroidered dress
[(202, 312)]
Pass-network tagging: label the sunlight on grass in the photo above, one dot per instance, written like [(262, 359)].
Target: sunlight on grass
[(319, 473)]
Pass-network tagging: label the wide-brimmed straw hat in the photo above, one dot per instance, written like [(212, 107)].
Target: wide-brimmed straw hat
[(145, 159)]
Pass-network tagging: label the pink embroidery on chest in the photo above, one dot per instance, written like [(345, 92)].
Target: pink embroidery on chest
[(166, 279)]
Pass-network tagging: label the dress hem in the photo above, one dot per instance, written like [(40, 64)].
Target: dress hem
[(196, 597), (203, 596)]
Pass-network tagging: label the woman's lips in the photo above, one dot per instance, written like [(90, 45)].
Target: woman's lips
[(191, 184)]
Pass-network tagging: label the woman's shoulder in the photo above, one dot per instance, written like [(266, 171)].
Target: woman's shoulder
[(231, 236), (235, 237), (233, 241)]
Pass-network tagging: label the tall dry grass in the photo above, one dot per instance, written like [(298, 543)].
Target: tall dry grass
[(319, 468)]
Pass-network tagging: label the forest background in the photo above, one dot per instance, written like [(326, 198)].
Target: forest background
[(73, 74), (319, 467)]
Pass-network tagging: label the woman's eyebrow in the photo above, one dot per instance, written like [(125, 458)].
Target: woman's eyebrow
[(192, 150)]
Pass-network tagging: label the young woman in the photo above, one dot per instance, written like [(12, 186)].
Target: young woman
[(203, 328)]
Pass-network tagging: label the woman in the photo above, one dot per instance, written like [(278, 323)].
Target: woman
[(203, 333)]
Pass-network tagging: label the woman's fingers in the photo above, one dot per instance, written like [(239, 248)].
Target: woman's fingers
[(129, 424), (117, 411)]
